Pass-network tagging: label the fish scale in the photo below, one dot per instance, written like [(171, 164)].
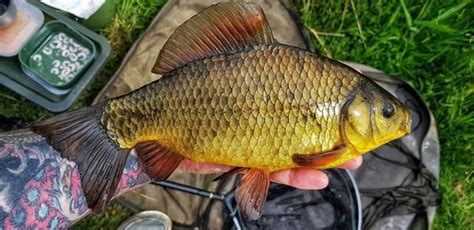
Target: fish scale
[(273, 103)]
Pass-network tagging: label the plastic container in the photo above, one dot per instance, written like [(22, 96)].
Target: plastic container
[(57, 54), (27, 20), (44, 84), (13, 77), (151, 219)]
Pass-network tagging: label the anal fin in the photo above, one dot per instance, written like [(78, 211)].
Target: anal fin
[(251, 194), (318, 160), (158, 161)]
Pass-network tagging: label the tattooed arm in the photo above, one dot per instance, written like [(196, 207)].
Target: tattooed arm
[(39, 189)]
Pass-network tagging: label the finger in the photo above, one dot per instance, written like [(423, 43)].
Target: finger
[(202, 168), (353, 164), (302, 178)]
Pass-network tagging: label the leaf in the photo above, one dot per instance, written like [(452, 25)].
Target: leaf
[(450, 12), (435, 26)]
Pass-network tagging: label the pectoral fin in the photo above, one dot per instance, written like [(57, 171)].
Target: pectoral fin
[(318, 160), (158, 161), (252, 193)]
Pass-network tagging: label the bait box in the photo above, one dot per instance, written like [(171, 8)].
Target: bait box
[(24, 83), (56, 55)]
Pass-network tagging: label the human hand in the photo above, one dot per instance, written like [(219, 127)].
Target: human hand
[(302, 178)]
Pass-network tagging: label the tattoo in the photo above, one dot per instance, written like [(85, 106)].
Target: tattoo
[(132, 174), (39, 189)]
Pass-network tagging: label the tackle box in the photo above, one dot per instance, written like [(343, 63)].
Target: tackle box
[(25, 75)]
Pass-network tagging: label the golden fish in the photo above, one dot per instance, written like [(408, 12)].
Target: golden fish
[(230, 94)]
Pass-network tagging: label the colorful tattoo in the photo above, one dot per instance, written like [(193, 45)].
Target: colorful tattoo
[(132, 174), (39, 189)]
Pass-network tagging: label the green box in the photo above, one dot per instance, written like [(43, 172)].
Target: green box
[(57, 54)]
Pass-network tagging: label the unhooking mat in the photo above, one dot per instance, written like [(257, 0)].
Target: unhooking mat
[(397, 182)]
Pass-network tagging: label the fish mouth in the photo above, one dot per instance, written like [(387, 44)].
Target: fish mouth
[(405, 129)]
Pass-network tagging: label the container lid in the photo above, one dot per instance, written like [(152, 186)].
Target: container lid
[(28, 20), (151, 219)]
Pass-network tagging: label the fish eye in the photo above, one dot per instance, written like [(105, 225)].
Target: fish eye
[(388, 109)]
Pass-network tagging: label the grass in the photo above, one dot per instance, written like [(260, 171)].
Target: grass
[(427, 43), (114, 215)]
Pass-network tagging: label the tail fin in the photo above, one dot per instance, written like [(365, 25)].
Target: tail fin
[(80, 137)]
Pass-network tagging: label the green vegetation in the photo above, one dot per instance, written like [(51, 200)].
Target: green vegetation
[(427, 43), (114, 215)]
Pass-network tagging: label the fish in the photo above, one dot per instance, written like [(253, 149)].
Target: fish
[(230, 94)]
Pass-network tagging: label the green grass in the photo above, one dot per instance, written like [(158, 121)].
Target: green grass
[(114, 215), (427, 43)]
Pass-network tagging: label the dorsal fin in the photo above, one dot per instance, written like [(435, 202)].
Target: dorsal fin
[(218, 29)]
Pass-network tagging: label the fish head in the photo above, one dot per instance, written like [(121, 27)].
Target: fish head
[(372, 117)]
